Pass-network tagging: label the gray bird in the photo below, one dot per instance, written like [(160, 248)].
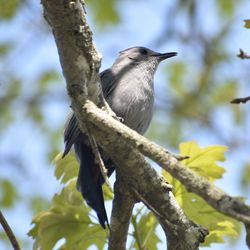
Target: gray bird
[(128, 87)]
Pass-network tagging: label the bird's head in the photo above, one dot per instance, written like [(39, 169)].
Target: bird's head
[(141, 56)]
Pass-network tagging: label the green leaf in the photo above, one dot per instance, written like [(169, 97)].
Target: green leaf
[(177, 71), (224, 92), (67, 219), (245, 178), (6, 47), (9, 8), (108, 194), (38, 204), (145, 231), (202, 213), (34, 111), (226, 7), (203, 161), (105, 11), (66, 168), (247, 23), (8, 193), (46, 78), (14, 87), (221, 229)]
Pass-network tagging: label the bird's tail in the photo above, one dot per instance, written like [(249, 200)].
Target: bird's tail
[(89, 181)]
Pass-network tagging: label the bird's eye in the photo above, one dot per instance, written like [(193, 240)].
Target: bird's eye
[(143, 51)]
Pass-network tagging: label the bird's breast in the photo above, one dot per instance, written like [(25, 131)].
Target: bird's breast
[(134, 103)]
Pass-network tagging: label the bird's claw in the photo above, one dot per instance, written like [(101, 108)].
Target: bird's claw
[(111, 112), (120, 119)]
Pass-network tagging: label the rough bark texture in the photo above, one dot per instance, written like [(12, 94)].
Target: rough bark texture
[(123, 205), (78, 56), (80, 63)]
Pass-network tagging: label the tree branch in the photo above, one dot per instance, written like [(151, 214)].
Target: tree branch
[(99, 160), (78, 56), (138, 175), (230, 206), (243, 55), (122, 209), (240, 100), (9, 232)]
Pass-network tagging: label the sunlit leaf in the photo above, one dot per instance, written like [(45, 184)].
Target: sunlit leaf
[(224, 92), (144, 233), (105, 11), (108, 195), (8, 193), (204, 162), (66, 168), (226, 7), (8, 8), (67, 219), (38, 204)]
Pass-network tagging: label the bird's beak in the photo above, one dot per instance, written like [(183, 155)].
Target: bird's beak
[(163, 56)]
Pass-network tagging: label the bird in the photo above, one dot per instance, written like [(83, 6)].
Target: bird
[(128, 88)]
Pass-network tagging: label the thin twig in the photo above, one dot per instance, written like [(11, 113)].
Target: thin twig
[(243, 55), (139, 196), (240, 100), (99, 160), (9, 232)]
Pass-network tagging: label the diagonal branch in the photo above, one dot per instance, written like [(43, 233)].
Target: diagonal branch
[(138, 175), (217, 198), (221, 201), (243, 55), (240, 100), (122, 209), (98, 159), (9, 232)]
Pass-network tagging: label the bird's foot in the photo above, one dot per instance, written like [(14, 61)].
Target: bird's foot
[(107, 108)]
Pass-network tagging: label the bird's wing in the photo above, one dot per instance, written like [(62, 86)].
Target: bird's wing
[(108, 80), (71, 132), (90, 180)]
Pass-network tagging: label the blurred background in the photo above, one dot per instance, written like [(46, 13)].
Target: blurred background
[(193, 91)]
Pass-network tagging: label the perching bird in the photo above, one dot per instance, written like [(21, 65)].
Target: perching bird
[(128, 87)]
